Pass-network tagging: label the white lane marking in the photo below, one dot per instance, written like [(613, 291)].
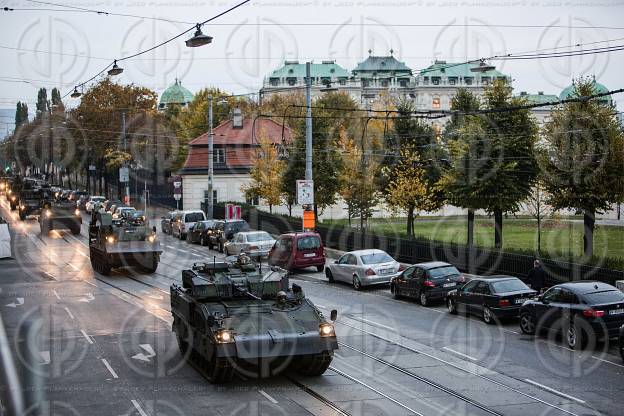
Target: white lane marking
[(81, 253), (56, 294), (18, 302), (511, 332), (45, 357), (607, 361), (87, 336), (74, 267), (320, 306), (137, 406), (171, 247), (71, 315), (375, 323), (269, 398), (110, 369), (89, 297), (557, 392), (460, 354)]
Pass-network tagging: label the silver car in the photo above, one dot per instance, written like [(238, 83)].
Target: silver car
[(363, 268), (253, 243)]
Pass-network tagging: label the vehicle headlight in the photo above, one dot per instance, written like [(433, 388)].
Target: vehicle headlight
[(224, 336), (10, 192), (110, 239), (48, 213), (327, 330), (13, 198), (151, 238), (22, 207), (77, 212)]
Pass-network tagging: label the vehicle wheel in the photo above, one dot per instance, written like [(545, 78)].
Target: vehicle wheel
[(45, 228), (210, 246), (314, 365), (394, 292), (575, 337), (357, 285), (319, 268), (488, 318), (151, 265), (424, 299), (22, 216), (330, 276), (221, 248), (75, 231), (527, 323), (219, 370), (451, 306), (183, 345), (203, 242), (105, 267)]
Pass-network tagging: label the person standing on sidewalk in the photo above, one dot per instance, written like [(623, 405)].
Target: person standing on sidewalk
[(537, 277)]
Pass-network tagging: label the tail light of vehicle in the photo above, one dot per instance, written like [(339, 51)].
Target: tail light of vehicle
[(503, 303), (428, 283), (462, 278), (593, 313), (253, 247), (401, 267), (370, 272)]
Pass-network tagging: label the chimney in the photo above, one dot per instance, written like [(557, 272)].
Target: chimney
[(237, 118), (540, 93)]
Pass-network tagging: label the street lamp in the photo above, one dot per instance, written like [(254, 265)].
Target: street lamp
[(199, 39), (115, 70), (76, 93), (210, 192)]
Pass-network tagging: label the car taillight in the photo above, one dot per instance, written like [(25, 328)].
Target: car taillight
[(253, 247), (429, 283), (592, 313), (370, 272), (462, 278), (503, 302), (401, 267)]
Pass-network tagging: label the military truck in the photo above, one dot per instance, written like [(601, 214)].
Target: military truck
[(12, 193), (29, 202), (238, 318), (125, 245), (59, 213)]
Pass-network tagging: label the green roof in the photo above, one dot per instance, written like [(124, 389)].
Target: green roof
[(459, 70), (381, 64), (293, 69), (176, 94), (570, 92), (538, 98)]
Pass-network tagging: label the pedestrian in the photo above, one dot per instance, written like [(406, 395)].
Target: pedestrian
[(537, 277)]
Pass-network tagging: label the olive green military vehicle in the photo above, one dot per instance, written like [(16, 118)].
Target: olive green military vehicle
[(59, 213), (237, 318), (125, 245)]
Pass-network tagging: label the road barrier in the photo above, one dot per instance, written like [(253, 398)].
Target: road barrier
[(5, 241)]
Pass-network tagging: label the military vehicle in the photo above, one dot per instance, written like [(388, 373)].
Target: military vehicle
[(124, 245), (13, 193), (238, 318), (59, 213), (29, 201)]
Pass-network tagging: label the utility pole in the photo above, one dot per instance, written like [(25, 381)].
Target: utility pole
[(123, 129), (308, 159), (209, 194)]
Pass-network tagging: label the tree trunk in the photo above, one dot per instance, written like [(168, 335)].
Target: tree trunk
[(498, 229), (589, 220), (410, 222), (270, 209), (539, 234), (290, 210), (471, 216)]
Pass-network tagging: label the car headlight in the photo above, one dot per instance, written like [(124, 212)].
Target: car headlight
[(77, 212), (48, 213), (151, 238), (110, 239), (10, 192), (224, 336), (13, 198), (22, 207), (327, 330)]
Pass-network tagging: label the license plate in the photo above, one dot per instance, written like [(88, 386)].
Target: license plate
[(449, 284), (518, 301), (309, 255), (385, 271), (616, 312)]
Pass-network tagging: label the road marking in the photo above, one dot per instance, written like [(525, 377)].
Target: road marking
[(110, 369), (89, 297), (171, 247), (88, 337), (557, 392), (511, 332), (320, 306), (460, 354), (18, 302), (607, 361), (145, 357), (375, 323), (74, 267), (45, 357), (71, 315), (81, 253), (56, 294), (137, 406), (269, 398)]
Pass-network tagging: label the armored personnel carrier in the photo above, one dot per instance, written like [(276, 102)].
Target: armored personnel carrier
[(238, 318), (29, 202), (125, 245), (59, 213)]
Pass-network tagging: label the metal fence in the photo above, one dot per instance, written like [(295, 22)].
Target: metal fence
[(476, 260)]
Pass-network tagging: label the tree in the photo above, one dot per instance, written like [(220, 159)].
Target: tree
[(21, 114), (582, 158), (57, 102), (43, 105), (266, 173), (536, 203)]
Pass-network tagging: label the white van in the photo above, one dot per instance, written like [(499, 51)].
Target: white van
[(183, 221)]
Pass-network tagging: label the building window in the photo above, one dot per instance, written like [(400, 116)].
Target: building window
[(426, 81), (342, 81), (452, 81), (468, 80), (403, 83), (214, 196), (485, 80), (435, 80), (436, 102), (218, 156), (291, 81), (384, 83), (274, 82), (364, 83)]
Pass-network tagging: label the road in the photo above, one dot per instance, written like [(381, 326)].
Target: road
[(106, 348)]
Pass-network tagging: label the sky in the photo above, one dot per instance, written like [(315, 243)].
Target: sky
[(50, 48)]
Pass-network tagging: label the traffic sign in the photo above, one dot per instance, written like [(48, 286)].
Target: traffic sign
[(177, 197), (177, 184), (124, 175), (91, 167), (305, 192)]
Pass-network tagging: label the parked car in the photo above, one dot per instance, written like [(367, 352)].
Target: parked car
[(198, 233), (108, 204), (363, 268), (81, 202), (297, 251), (224, 231), (582, 311), (490, 297), (427, 282), (165, 221), (183, 221), (252, 243), (92, 202)]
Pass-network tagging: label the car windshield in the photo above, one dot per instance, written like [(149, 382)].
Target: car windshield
[(511, 285), (308, 243), (236, 226), (263, 236), (194, 217), (607, 296), (376, 258), (442, 272), (97, 199)]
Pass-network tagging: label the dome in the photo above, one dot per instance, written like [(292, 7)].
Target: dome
[(570, 92), (175, 94)]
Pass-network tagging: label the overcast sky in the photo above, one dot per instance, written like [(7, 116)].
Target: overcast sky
[(256, 38)]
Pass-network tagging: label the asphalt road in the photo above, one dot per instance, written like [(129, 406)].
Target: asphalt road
[(106, 348)]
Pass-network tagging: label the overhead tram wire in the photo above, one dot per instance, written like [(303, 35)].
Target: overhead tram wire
[(199, 25)]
